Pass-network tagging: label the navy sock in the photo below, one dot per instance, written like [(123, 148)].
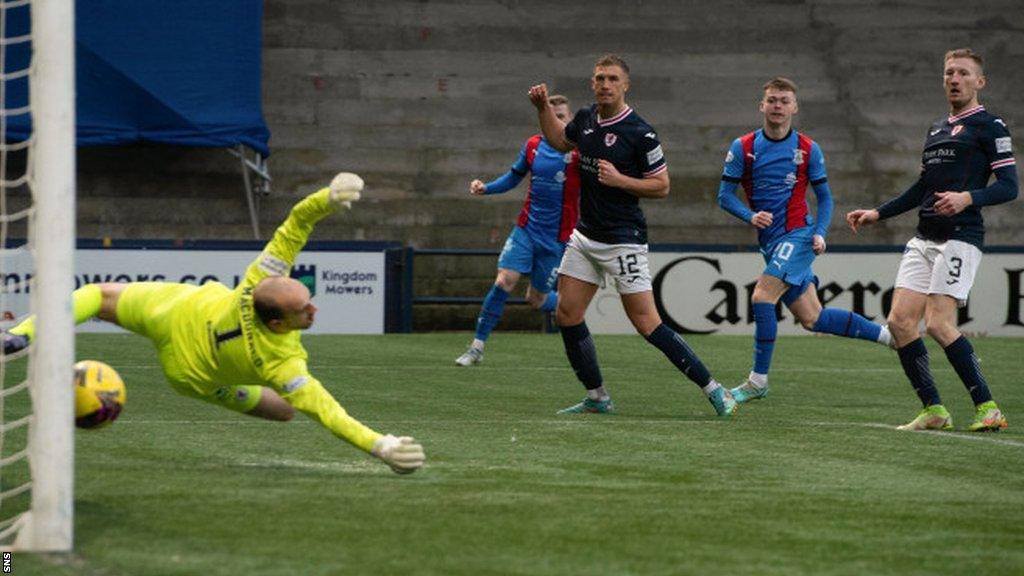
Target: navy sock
[(914, 358), (579, 347), (766, 326), (961, 356), (490, 313), (848, 324), (673, 346)]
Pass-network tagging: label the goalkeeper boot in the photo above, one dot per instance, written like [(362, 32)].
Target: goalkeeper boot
[(590, 406), (934, 417), (13, 343), (987, 418), (748, 391), (723, 402), (471, 357)]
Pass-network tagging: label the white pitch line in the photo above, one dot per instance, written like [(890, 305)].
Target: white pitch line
[(974, 436), (567, 369)]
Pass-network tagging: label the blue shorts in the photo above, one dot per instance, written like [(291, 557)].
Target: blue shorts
[(789, 259), (539, 259)]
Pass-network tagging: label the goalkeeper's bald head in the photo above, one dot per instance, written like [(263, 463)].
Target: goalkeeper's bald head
[(283, 304)]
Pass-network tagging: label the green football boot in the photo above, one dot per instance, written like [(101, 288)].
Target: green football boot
[(987, 418), (747, 391), (723, 402), (934, 417), (589, 406)]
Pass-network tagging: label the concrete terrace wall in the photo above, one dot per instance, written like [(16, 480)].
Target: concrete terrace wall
[(421, 97)]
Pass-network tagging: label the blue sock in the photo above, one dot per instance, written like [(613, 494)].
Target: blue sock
[(765, 328), (914, 358), (961, 356), (550, 303), (494, 305), (848, 324), (579, 347), (673, 346)]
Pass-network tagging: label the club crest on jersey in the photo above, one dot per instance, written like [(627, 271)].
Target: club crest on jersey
[(956, 129), (798, 156), (609, 140)]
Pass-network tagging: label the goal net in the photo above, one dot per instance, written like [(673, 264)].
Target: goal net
[(37, 206)]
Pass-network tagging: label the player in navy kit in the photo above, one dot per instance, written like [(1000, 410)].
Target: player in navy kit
[(537, 243), (961, 153), (775, 165), (621, 161)]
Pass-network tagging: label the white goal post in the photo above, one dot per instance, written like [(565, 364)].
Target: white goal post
[(48, 523)]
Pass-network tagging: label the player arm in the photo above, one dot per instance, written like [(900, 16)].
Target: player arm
[(730, 202), (1004, 189), (998, 149), (653, 186), (510, 179), (650, 158), (553, 129), (289, 238), (307, 395), (825, 205), (732, 175), (911, 198)]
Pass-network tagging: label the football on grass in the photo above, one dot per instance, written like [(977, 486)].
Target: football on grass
[(99, 394)]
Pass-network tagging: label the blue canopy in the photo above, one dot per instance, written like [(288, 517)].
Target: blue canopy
[(185, 72)]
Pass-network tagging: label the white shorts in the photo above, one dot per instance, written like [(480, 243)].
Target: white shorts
[(946, 268), (591, 261)]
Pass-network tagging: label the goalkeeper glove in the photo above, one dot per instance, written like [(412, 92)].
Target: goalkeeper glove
[(403, 454), (345, 189)]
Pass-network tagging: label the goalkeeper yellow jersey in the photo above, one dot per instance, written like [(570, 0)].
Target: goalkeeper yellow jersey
[(219, 340)]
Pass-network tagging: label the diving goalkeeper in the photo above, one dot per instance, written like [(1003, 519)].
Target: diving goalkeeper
[(240, 348)]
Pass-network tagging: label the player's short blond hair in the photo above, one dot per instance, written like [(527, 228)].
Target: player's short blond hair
[(558, 100), (612, 60), (966, 53), (780, 83)]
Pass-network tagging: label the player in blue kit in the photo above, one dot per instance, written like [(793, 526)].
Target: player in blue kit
[(961, 154), (775, 165), (536, 244), (621, 161)]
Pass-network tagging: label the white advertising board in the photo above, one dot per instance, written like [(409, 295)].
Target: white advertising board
[(709, 293), (347, 287)]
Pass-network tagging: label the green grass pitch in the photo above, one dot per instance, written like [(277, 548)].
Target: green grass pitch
[(814, 480)]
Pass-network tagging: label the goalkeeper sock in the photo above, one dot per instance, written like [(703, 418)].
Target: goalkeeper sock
[(494, 305), (550, 303), (675, 348), (579, 347), (87, 301), (848, 324)]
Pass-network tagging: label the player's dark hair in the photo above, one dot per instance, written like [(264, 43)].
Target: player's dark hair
[(558, 100), (266, 311), (781, 84), (965, 53), (613, 60)]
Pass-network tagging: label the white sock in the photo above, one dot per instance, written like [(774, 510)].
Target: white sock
[(478, 344), (599, 394), (711, 387), (758, 380), (885, 337)]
